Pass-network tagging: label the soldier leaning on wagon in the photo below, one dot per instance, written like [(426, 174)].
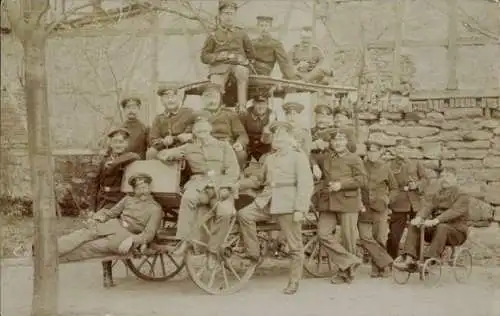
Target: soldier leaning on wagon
[(343, 175), (288, 186), (228, 50), (269, 51), (226, 124), (212, 162), (308, 59), (412, 180), (138, 140), (258, 116), (379, 190), (133, 221), (172, 127), (444, 212)]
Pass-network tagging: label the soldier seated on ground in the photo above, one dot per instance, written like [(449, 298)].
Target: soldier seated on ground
[(444, 214), (132, 222)]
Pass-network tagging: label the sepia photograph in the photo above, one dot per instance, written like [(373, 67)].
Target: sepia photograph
[(250, 157)]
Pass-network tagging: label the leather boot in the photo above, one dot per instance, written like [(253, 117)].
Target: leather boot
[(107, 270), (291, 288)]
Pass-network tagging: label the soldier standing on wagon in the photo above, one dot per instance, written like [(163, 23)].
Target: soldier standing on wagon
[(138, 139), (372, 224), (109, 179), (257, 117), (308, 59), (412, 180), (343, 177), (269, 51), (288, 186), (226, 124), (227, 51), (212, 162)]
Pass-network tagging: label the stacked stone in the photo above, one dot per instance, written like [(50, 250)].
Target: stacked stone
[(465, 138)]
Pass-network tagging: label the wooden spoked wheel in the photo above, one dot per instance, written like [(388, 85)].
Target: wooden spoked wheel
[(431, 272), (462, 265), (157, 264), (317, 260), (221, 272), (400, 276)]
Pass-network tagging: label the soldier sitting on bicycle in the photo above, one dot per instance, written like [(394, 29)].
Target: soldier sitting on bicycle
[(444, 213)]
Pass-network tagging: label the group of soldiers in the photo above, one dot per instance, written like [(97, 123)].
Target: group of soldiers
[(282, 165)]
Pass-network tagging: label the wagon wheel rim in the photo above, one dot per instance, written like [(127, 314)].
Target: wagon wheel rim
[(462, 265), (432, 272), (218, 273), (316, 257), (159, 266), (400, 276)]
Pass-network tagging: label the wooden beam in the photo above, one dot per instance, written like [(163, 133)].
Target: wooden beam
[(445, 94), (452, 52), (398, 42)]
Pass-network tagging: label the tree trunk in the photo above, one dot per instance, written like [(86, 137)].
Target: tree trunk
[(45, 284)]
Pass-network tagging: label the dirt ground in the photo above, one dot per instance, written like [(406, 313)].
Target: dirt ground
[(81, 294)]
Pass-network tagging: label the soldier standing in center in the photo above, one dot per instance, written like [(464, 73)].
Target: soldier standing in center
[(229, 50), (226, 123), (380, 188), (412, 180), (138, 139), (269, 51)]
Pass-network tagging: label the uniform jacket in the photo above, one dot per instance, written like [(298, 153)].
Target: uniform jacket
[(288, 182), (109, 179), (226, 125), (268, 51), (254, 126), (404, 171), (347, 169), (170, 124), (214, 161), (313, 57), (138, 140), (379, 189), (448, 205), (140, 216), (234, 40)]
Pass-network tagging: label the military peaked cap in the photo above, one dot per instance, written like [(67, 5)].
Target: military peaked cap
[(223, 4), (166, 88), (324, 108), (298, 107), (119, 130), (259, 98), (276, 125), (307, 28), (132, 98), (140, 175), (372, 142), (334, 132), (264, 18)]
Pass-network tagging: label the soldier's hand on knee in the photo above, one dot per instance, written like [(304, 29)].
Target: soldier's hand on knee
[(185, 137), (126, 245), (237, 146), (298, 216), (416, 221)]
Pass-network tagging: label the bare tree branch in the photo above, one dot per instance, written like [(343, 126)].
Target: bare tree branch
[(43, 12), (50, 27), (15, 15)]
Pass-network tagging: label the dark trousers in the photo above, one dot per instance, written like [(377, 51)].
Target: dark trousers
[(439, 237), (397, 224)]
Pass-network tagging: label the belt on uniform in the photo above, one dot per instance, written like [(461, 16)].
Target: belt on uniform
[(282, 184)]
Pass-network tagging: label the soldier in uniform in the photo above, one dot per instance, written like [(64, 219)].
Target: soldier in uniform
[(138, 139), (212, 162), (372, 224), (269, 51), (258, 116), (172, 127), (444, 213), (308, 59), (412, 180), (302, 135), (288, 186), (226, 124), (342, 121), (229, 50), (343, 175), (132, 222)]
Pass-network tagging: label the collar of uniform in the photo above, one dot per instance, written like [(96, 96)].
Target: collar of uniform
[(226, 28), (211, 140), (256, 116), (144, 197), (342, 154), (171, 113), (134, 120)]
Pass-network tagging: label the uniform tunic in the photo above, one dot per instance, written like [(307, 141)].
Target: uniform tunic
[(254, 126), (138, 139), (136, 217), (172, 124), (268, 52), (226, 125), (109, 179), (405, 171)]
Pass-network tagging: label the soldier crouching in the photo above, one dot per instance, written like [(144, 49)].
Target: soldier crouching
[(288, 186)]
